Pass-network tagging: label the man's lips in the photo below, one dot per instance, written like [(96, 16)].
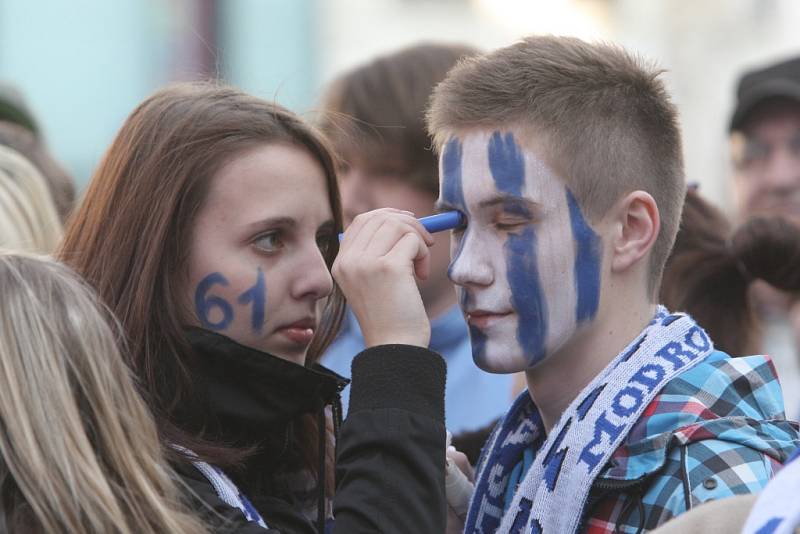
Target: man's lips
[(485, 318)]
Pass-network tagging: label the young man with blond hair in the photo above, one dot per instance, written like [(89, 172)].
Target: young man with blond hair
[(565, 159)]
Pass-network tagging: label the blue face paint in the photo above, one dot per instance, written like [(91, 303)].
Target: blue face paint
[(257, 295), (588, 250), (507, 165), (203, 304), (452, 194), (527, 297)]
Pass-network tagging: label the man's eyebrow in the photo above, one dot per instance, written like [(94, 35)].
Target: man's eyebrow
[(508, 200)]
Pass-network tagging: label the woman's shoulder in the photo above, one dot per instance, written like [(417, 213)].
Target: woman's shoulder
[(210, 498)]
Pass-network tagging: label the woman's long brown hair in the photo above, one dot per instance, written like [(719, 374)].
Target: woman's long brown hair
[(129, 235), (711, 267)]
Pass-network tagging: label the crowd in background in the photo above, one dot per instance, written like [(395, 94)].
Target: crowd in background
[(153, 378)]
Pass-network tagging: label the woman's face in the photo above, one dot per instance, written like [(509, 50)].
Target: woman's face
[(256, 268)]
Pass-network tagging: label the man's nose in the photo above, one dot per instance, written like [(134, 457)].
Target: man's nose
[(782, 171), (470, 263)]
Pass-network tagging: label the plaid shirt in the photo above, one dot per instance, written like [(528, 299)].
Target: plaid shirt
[(714, 431)]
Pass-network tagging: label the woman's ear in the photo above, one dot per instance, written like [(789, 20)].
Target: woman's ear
[(636, 224)]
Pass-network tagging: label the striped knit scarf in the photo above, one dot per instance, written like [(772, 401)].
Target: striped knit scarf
[(224, 487), (551, 497), (777, 510)]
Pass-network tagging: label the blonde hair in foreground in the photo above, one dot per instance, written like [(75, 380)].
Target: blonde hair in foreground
[(29, 220), (79, 451)]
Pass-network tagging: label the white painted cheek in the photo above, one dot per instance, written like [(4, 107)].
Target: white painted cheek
[(556, 251)]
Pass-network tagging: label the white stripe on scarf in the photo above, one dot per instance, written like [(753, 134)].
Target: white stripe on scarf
[(552, 496), (224, 487)]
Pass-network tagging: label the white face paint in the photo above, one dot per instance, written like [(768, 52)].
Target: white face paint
[(527, 264)]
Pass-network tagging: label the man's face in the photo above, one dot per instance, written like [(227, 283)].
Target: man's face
[(527, 263), (766, 154)]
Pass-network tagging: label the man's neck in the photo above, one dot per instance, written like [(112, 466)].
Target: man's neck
[(555, 382)]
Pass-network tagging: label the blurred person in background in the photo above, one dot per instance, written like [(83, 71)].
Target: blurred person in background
[(765, 150), (713, 264), (19, 130), (79, 450), (28, 218), (374, 115)]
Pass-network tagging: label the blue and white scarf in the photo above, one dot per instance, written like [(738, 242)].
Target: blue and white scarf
[(777, 510), (551, 497), (224, 487)]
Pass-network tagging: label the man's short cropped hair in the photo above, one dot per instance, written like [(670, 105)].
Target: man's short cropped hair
[(601, 116), (377, 111)]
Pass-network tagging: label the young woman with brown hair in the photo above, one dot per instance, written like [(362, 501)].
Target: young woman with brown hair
[(79, 451), (209, 229)]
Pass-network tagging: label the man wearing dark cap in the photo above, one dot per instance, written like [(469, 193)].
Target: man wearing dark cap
[(765, 142), (765, 138)]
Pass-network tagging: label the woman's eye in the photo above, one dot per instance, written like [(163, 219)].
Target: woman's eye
[(269, 242)]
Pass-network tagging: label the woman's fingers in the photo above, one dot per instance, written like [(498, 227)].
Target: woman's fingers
[(381, 253)]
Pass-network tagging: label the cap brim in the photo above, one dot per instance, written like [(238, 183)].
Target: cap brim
[(764, 91)]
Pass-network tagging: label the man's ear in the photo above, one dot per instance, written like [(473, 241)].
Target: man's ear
[(636, 225)]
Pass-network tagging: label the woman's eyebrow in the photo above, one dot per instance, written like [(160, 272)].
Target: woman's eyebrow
[(271, 222)]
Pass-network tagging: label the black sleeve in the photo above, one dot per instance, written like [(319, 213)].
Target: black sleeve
[(391, 457)]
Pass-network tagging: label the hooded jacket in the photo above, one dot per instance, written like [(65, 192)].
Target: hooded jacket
[(390, 451), (715, 431)]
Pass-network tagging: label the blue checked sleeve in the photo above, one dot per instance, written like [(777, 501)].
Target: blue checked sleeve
[(702, 471), (716, 469)]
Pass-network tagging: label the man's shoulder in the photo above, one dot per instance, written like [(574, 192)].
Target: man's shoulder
[(730, 401), (718, 388)]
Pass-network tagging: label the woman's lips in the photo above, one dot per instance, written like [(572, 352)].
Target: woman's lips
[(482, 319), (297, 334)]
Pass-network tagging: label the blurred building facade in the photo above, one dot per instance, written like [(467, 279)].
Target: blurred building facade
[(85, 64)]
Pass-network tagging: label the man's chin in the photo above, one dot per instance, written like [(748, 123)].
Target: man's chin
[(500, 365)]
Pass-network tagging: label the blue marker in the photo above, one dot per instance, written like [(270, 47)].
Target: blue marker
[(439, 222)]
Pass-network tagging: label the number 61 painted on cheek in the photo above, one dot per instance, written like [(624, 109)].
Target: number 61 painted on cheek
[(257, 295)]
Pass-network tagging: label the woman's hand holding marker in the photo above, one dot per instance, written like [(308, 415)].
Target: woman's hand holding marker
[(380, 254)]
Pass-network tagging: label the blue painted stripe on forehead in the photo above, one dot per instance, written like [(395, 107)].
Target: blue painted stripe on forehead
[(527, 297), (507, 163), (587, 262), (452, 188)]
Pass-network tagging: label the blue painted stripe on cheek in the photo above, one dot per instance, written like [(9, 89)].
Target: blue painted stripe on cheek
[(476, 336), (588, 249), (203, 303), (527, 297), (453, 194), (257, 295), (507, 163)]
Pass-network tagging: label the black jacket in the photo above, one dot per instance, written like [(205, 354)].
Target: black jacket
[(390, 452)]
